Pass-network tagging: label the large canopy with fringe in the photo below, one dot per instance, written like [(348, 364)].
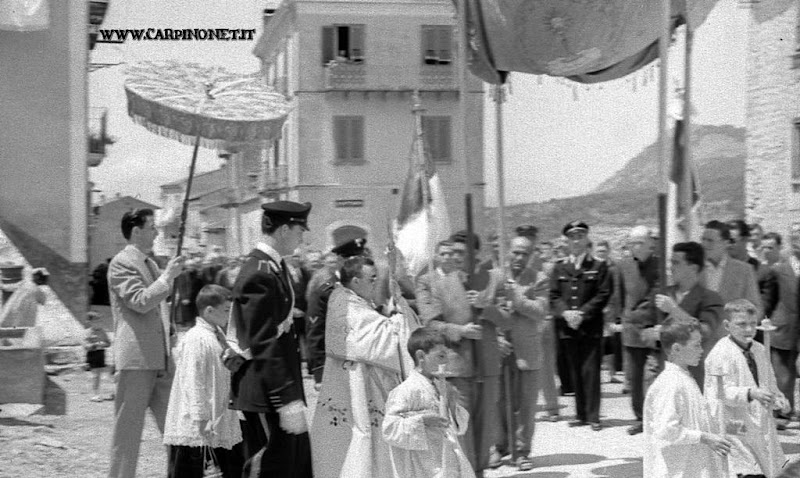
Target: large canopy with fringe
[(184, 101), (588, 41)]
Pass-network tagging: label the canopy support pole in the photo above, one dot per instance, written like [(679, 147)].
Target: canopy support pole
[(185, 209), (663, 138), (687, 201)]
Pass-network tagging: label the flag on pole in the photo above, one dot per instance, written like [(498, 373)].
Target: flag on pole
[(420, 226), (684, 191)]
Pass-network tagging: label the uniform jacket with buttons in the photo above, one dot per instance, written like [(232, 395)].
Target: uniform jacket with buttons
[(318, 292), (586, 289), (262, 302)]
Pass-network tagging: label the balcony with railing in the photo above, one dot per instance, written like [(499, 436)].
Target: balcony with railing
[(366, 76), (273, 180)]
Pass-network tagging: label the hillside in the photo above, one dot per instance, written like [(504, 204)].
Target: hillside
[(629, 196)]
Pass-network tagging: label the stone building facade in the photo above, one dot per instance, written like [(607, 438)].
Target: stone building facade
[(772, 176)]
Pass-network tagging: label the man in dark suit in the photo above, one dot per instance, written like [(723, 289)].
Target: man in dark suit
[(579, 290), (318, 292), (688, 300), (268, 386), (638, 286)]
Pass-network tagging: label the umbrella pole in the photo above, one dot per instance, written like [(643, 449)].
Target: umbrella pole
[(185, 208)]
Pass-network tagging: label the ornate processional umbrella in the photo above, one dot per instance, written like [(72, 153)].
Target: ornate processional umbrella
[(206, 106)]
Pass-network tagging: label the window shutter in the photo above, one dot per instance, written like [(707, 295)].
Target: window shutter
[(340, 137), (445, 43), (430, 136), (445, 153), (796, 149), (357, 139), (428, 42), (327, 45), (357, 42)]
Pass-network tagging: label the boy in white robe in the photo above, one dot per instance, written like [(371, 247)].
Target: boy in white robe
[(680, 441), (420, 427), (750, 394)]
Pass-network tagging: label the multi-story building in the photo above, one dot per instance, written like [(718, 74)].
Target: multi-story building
[(772, 177), (351, 68)]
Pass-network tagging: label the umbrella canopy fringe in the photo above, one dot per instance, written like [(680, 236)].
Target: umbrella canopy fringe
[(187, 139)]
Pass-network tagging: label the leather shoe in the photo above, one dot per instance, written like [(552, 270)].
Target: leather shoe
[(635, 429), (577, 423), (495, 458), (596, 427), (553, 418), (524, 463)]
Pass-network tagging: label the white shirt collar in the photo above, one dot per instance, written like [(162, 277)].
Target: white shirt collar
[(270, 251), (137, 252), (204, 324)]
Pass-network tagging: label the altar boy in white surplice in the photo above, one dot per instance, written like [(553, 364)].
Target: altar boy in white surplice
[(751, 393), (420, 425), (680, 440)]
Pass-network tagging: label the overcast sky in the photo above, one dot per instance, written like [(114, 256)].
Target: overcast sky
[(556, 145)]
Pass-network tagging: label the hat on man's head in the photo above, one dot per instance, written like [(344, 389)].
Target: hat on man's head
[(351, 248), (461, 236), (527, 230), (279, 213), (575, 226)]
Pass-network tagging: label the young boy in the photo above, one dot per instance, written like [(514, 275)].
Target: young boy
[(677, 425), (423, 442), (96, 343), (198, 417), (750, 394)]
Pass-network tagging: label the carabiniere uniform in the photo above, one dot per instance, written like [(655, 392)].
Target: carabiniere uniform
[(587, 288), (261, 315)]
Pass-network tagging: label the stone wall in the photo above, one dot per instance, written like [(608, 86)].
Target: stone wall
[(772, 105), (67, 279)]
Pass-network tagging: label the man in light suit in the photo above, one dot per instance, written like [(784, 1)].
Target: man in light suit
[(142, 338), (526, 292), (730, 278), (783, 313)]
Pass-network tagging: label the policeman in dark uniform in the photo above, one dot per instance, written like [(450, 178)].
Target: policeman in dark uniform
[(267, 384), (579, 290), (318, 292)]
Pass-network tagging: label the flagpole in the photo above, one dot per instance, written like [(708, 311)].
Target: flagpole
[(663, 138), (687, 199), (422, 164)]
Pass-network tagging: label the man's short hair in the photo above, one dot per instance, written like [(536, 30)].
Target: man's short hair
[(740, 306), (352, 268), (444, 243), (135, 218), (774, 236), (677, 331), (602, 243), (527, 230), (693, 252), (425, 339), (756, 227), (211, 295), (461, 238), (740, 226), (724, 229)]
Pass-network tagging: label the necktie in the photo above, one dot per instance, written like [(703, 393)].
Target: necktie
[(751, 363)]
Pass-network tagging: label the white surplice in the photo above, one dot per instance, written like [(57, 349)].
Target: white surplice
[(418, 451), (756, 429), (363, 350), (675, 416)]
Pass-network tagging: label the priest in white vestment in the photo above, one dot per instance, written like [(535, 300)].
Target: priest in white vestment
[(750, 394), (365, 360)]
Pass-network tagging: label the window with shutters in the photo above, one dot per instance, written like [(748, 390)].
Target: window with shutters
[(348, 136), (343, 44), (437, 133), (437, 44)]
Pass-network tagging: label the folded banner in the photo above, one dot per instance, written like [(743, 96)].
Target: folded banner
[(24, 15), (586, 41)]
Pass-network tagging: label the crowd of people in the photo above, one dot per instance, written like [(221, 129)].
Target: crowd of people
[(440, 374)]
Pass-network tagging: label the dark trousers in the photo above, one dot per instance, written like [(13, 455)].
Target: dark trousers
[(618, 351), (270, 451), (562, 367), (480, 399), (584, 356), (188, 462), (783, 361), (643, 366), (524, 389)]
